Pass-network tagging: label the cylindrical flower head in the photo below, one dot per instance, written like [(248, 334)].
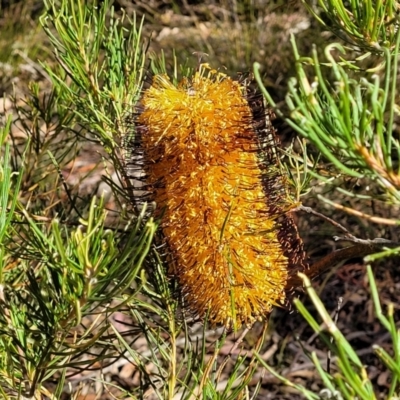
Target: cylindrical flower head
[(203, 167)]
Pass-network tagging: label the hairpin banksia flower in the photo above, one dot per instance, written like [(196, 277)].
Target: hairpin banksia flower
[(209, 157)]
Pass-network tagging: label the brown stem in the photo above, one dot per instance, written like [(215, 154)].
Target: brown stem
[(362, 248)]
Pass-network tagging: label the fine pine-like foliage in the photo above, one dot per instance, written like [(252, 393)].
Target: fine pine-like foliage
[(86, 281), (345, 104)]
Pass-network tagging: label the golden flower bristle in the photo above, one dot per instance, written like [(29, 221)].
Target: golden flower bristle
[(201, 161)]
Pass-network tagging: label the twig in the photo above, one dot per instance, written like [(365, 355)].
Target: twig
[(238, 341), (362, 248), (309, 210), (231, 351), (372, 218), (381, 242)]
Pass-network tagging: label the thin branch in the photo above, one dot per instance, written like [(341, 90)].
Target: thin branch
[(309, 210), (362, 248), (372, 218), (381, 242)]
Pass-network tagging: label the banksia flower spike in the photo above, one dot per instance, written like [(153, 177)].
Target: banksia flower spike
[(209, 158)]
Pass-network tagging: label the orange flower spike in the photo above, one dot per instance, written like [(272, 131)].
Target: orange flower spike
[(200, 149)]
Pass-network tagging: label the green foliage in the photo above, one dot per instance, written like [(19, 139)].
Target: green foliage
[(100, 68), (67, 266), (348, 119), (351, 380), (372, 25), (347, 112), (52, 277), (63, 271)]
